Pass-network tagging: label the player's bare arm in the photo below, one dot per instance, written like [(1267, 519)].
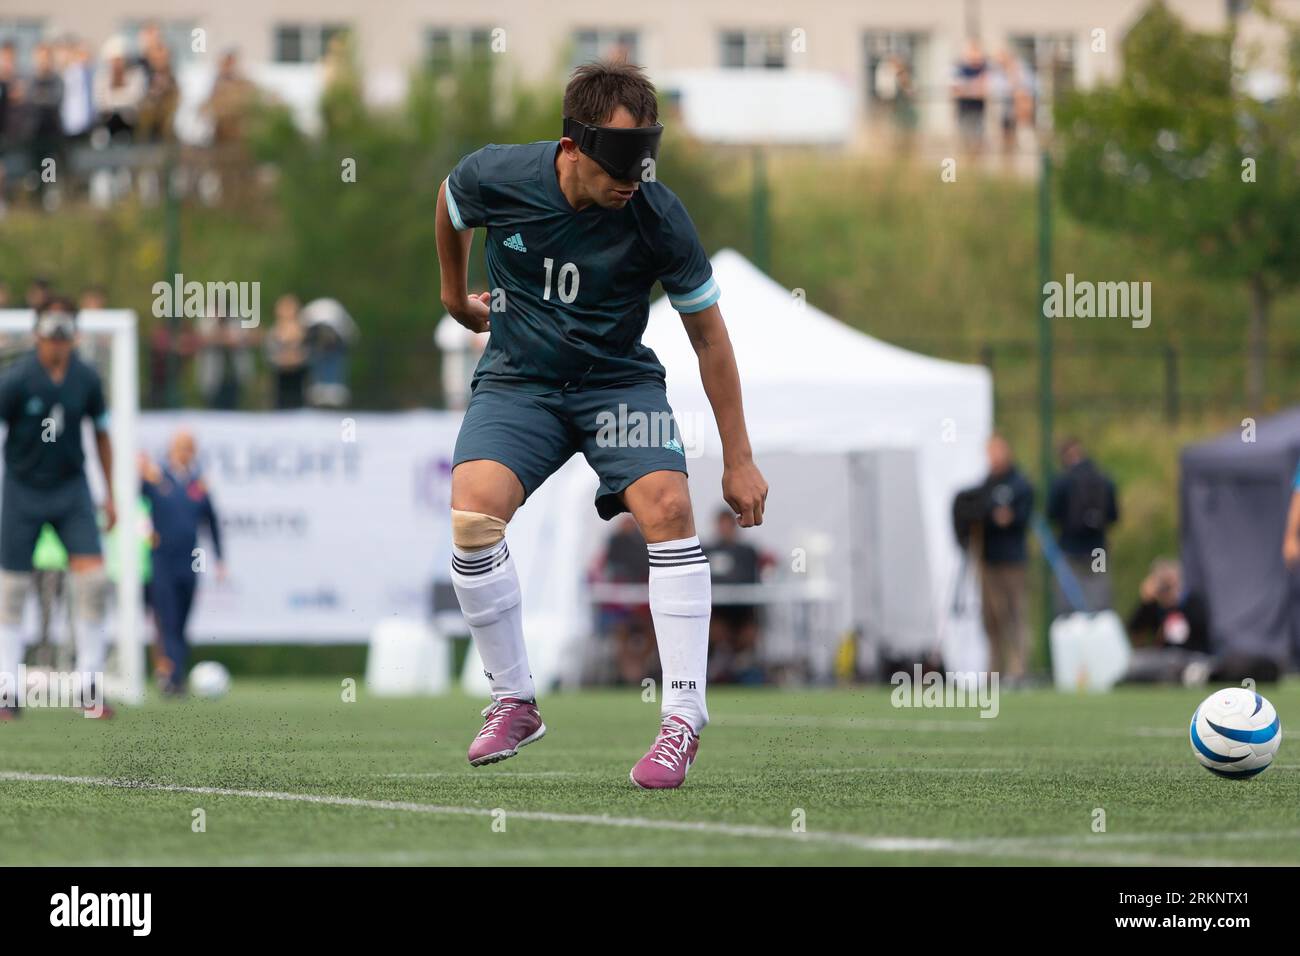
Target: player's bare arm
[(743, 486), (454, 245), (1291, 541), (104, 446)]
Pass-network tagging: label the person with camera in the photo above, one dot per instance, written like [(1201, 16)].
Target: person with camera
[(1082, 504), (1008, 503)]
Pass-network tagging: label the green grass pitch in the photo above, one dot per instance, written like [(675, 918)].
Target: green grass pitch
[(285, 772)]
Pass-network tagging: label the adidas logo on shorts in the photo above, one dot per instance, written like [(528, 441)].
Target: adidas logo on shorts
[(515, 242)]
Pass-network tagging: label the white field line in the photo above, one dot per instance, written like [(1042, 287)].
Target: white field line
[(1049, 848), (1158, 732), (774, 721), (480, 775), (906, 770)]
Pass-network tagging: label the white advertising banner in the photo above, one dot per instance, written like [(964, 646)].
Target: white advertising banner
[(330, 521)]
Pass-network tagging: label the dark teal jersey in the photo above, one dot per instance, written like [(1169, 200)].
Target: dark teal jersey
[(573, 287), (43, 444)]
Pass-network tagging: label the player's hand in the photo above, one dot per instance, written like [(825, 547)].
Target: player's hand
[(745, 490), (110, 514), (475, 314), (148, 470), (1291, 551)]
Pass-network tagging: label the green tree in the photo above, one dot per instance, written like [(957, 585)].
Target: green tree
[(1177, 153)]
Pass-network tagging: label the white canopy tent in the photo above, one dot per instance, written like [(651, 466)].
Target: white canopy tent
[(864, 444)]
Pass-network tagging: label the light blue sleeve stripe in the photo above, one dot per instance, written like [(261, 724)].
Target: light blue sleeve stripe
[(1296, 482), (699, 300), (102, 423), (451, 207)]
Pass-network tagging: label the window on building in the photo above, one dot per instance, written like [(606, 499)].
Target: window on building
[(24, 34), (591, 45), (304, 42), (178, 35), (444, 46), (753, 49)]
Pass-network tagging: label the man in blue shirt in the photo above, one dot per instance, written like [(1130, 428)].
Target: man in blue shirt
[(179, 505), (578, 232)]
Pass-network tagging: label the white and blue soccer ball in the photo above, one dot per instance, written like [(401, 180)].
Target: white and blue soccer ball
[(209, 679), (1235, 733)]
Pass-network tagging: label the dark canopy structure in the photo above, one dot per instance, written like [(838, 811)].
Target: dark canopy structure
[(1233, 500)]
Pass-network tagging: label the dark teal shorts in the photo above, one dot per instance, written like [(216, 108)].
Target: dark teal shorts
[(624, 432), (25, 509)]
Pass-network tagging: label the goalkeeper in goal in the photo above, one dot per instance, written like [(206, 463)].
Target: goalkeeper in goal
[(44, 397)]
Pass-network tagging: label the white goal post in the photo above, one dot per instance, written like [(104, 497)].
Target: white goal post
[(126, 678)]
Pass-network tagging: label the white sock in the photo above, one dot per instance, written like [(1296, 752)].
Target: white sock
[(92, 647), (681, 599), (487, 586), (11, 658)]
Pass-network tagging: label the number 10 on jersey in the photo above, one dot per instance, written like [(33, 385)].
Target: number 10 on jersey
[(567, 287)]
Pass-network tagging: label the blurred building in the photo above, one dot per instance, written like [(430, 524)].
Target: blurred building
[(895, 63)]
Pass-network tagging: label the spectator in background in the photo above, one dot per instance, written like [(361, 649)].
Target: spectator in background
[(970, 94), (231, 99), (1082, 504), (4, 294), (733, 629), (1169, 628), (626, 561), (225, 363), (148, 41), (330, 333), (78, 110), (179, 504), (286, 351), (161, 97), (119, 90), (45, 102), (1014, 90), (8, 89), (95, 350), (1004, 592), (92, 297), (39, 293), (164, 342)]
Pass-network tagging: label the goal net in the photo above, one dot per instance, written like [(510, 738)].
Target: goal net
[(107, 341)]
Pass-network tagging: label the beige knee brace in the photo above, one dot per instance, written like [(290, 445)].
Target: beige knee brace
[(471, 531)]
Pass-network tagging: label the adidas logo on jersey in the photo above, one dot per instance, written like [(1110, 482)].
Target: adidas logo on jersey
[(515, 242)]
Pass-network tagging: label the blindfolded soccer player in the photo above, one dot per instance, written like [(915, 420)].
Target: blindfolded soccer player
[(578, 232)]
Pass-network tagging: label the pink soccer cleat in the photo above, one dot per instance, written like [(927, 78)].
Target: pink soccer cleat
[(665, 766), (511, 723)]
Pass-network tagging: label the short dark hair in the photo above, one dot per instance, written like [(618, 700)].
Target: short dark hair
[(599, 88)]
